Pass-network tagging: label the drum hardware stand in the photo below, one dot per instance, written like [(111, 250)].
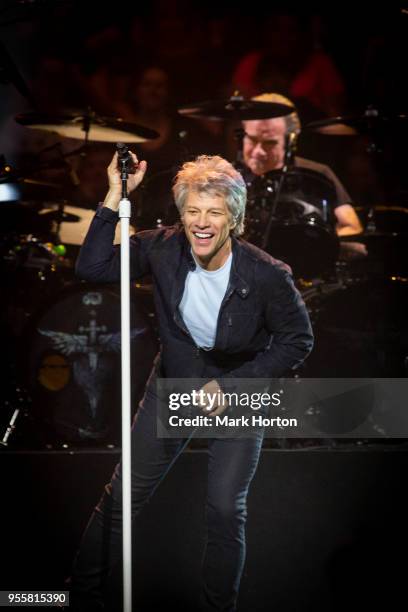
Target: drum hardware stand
[(58, 221), (126, 167), (87, 118), (374, 151), (325, 211), (74, 180), (21, 398), (10, 428), (370, 225), (82, 151), (288, 161), (239, 134)]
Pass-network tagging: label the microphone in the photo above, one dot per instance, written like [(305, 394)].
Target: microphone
[(125, 160)]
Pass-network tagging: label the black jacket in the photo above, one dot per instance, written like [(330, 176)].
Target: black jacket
[(263, 328)]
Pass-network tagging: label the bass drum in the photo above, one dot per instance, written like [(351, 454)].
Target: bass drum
[(361, 328), (72, 363)]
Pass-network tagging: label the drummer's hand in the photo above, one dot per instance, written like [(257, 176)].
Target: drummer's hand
[(114, 194)]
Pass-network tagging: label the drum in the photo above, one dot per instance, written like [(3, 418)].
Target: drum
[(21, 217), (386, 238), (302, 231), (387, 219), (32, 271), (360, 326), (71, 363), (306, 244)]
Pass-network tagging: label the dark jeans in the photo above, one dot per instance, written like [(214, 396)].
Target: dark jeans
[(232, 464)]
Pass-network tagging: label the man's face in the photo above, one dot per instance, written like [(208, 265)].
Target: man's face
[(207, 223), (264, 144)]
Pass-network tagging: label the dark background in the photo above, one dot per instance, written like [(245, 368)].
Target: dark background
[(327, 527), (65, 49)]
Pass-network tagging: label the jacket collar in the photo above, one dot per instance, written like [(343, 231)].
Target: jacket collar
[(237, 281)]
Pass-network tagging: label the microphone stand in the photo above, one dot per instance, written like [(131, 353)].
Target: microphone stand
[(239, 134), (124, 215), (289, 151)]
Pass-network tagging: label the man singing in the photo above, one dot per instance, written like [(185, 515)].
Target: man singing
[(226, 309)]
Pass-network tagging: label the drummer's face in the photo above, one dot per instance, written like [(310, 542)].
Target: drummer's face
[(264, 144)]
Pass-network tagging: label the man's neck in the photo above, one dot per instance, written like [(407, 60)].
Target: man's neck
[(218, 259)]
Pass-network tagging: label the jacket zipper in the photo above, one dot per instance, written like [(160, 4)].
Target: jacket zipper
[(227, 296)]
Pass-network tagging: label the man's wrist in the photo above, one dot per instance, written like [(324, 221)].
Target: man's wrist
[(112, 200)]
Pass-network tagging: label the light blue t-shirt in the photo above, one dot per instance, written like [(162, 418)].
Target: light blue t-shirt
[(201, 301)]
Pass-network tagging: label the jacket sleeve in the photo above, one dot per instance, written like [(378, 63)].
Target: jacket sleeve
[(287, 320), (99, 260)]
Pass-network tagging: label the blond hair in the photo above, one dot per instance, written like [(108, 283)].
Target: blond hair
[(213, 175)]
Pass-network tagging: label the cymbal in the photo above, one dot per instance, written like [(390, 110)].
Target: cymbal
[(38, 183), (65, 217), (26, 190), (370, 120), (368, 236), (235, 108), (90, 127), (13, 178), (332, 129), (383, 208)]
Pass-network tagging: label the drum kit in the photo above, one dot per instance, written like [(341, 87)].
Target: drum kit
[(63, 336)]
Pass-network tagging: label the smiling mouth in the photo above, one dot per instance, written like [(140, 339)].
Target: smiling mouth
[(203, 236)]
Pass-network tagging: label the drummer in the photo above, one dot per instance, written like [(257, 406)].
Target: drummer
[(264, 150)]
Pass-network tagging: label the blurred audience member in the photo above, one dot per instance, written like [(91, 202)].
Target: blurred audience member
[(288, 63)]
